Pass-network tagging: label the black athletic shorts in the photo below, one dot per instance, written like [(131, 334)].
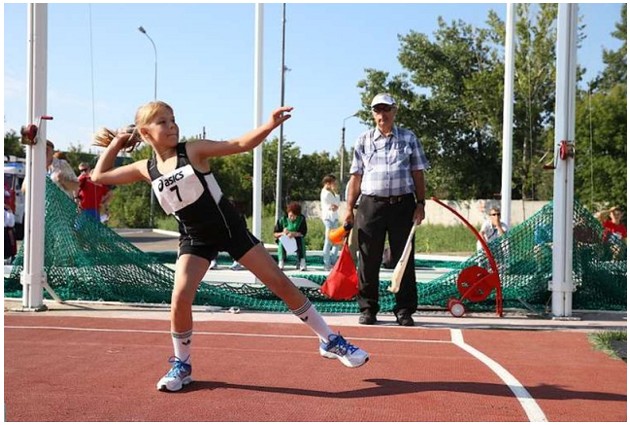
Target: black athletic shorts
[(237, 245)]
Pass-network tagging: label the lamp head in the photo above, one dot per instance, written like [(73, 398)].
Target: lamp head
[(142, 30)]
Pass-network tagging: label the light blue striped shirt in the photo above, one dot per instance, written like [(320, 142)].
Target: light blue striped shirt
[(386, 163)]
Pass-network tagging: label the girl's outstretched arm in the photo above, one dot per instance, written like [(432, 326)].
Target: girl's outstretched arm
[(105, 173), (202, 149)]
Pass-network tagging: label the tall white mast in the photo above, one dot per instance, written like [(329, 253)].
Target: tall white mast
[(508, 117), (566, 62), (33, 277), (258, 103)]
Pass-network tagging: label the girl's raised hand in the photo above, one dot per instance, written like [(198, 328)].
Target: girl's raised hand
[(280, 115)]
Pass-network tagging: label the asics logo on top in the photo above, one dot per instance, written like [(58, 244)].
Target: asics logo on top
[(167, 181)]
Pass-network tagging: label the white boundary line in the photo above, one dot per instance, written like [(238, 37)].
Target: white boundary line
[(531, 408), (242, 334)]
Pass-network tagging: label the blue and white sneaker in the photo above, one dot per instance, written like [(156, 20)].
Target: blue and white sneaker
[(338, 348), (177, 377)]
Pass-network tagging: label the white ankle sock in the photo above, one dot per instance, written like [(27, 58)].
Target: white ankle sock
[(311, 317), (181, 345)]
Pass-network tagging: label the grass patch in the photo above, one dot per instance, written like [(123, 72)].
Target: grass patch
[(613, 343), (430, 238)]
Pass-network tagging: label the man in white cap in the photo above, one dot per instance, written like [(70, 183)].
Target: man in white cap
[(387, 171)]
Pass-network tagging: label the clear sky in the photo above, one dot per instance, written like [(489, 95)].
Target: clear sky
[(101, 68)]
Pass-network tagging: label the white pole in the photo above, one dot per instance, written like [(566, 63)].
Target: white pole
[(562, 268), (258, 97), (33, 275), (508, 114)]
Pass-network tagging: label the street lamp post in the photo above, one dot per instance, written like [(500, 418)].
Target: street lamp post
[(279, 200), (143, 31), (342, 154)]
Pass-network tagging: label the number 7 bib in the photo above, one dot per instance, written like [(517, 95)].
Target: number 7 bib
[(178, 189)]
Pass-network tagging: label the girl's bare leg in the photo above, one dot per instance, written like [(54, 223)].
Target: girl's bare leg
[(261, 264), (189, 271)]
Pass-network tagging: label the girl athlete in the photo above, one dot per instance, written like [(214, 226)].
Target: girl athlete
[(208, 223)]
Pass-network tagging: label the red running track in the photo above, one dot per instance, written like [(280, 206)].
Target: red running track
[(97, 369)]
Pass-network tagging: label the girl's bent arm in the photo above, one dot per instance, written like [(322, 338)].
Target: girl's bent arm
[(105, 173)]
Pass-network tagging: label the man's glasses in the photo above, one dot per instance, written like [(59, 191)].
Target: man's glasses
[(496, 214), (82, 170), (382, 108)]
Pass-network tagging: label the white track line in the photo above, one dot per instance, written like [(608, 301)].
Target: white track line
[(241, 334), (531, 408)]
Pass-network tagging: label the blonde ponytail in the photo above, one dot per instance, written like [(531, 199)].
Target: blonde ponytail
[(104, 137)]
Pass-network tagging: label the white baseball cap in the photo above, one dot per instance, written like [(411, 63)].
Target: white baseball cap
[(383, 99)]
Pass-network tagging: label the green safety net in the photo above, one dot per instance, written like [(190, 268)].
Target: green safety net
[(86, 260)]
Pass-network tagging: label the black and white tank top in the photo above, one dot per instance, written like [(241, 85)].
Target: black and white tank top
[(194, 198)]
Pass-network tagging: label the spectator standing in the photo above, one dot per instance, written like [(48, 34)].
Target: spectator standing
[(493, 227), (387, 170), (60, 171), (329, 202), (90, 195), (614, 226), (10, 241)]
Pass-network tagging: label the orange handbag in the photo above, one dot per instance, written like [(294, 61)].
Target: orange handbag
[(343, 281)]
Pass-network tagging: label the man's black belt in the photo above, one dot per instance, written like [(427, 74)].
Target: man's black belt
[(391, 199)]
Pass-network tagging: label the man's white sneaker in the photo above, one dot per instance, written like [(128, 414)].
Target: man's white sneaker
[(338, 348), (303, 264), (177, 377)]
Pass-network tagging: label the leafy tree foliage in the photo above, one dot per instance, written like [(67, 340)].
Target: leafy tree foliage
[(130, 204), (452, 98), (12, 145), (601, 131), (601, 150), (75, 156), (451, 95), (301, 174), (616, 62)]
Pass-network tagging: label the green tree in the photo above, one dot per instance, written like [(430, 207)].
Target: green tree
[(451, 96), (616, 70), (12, 145), (601, 148), (458, 109), (601, 130), (534, 95), (130, 204), (234, 174), (75, 156), (290, 160)]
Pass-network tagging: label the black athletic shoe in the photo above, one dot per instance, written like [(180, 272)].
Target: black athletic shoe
[(404, 319), (367, 318)]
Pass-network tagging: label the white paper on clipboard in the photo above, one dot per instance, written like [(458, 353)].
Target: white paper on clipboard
[(289, 244)]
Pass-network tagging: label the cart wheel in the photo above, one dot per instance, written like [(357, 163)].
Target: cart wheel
[(475, 283), (450, 302), (457, 308)]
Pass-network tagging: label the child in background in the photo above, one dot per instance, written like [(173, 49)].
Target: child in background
[(329, 201)]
